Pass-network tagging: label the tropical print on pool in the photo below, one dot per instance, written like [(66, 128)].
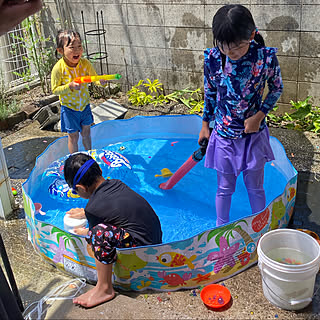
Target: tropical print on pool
[(209, 256)]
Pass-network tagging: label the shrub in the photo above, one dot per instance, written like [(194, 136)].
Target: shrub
[(151, 92), (8, 105), (305, 117)]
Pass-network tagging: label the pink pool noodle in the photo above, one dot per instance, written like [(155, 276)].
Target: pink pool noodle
[(179, 174), (186, 167)]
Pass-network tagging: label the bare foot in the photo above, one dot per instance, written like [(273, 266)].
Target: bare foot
[(94, 297)]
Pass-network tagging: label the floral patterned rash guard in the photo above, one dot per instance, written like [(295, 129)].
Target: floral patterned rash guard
[(235, 94)]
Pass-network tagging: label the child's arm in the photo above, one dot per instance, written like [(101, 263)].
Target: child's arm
[(204, 132), (210, 94), (56, 86), (252, 124), (275, 86)]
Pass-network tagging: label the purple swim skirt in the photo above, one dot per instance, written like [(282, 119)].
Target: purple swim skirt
[(231, 156)]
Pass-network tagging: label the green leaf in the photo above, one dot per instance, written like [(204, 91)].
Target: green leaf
[(287, 117), (301, 113), (153, 86), (290, 126), (185, 102)]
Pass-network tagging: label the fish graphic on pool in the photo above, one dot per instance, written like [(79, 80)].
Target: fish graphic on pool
[(174, 259)]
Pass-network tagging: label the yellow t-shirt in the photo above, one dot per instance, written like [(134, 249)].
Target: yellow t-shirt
[(62, 75)]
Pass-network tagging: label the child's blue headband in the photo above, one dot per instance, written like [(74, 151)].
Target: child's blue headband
[(82, 170)]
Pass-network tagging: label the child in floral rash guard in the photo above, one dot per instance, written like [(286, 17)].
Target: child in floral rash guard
[(236, 72)]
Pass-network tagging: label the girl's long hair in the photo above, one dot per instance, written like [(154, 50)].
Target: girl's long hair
[(233, 23)]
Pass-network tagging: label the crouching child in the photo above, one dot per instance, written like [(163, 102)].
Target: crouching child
[(118, 217)]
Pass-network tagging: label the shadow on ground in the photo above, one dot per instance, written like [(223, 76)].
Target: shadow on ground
[(303, 150), (21, 156)]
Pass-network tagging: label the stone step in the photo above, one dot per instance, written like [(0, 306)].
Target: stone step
[(108, 110)]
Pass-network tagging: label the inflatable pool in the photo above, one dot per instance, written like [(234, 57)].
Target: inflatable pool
[(143, 152)]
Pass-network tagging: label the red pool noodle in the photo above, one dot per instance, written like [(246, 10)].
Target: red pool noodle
[(186, 167), (179, 174)]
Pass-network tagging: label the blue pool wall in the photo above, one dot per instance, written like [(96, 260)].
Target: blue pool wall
[(208, 257)]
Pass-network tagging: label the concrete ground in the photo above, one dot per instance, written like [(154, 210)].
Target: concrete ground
[(36, 278)]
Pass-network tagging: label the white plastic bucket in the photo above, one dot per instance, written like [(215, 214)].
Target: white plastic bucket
[(71, 223), (288, 286)]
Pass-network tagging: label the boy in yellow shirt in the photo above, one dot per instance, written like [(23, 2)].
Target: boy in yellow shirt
[(76, 115)]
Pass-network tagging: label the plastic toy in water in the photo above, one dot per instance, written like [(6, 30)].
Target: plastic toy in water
[(14, 191), (215, 296), (165, 172), (187, 166), (58, 188), (38, 207), (289, 261), (38, 213), (88, 79)]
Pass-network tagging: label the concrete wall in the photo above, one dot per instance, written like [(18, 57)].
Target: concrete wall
[(165, 39)]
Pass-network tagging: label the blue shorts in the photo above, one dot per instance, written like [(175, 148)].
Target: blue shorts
[(73, 121)]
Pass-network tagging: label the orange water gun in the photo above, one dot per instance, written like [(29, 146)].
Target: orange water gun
[(87, 79)]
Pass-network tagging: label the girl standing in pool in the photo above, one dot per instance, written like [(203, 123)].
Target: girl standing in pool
[(235, 73), (76, 115)]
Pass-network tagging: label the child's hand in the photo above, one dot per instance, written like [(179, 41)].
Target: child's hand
[(76, 213), (204, 132), (13, 12), (81, 231), (252, 124), (103, 82), (74, 85)]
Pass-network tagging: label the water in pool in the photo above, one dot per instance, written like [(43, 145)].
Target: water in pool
[(288, 256), (185, 210)]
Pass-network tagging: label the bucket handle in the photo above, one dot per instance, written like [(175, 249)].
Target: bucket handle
[(292, 302)]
